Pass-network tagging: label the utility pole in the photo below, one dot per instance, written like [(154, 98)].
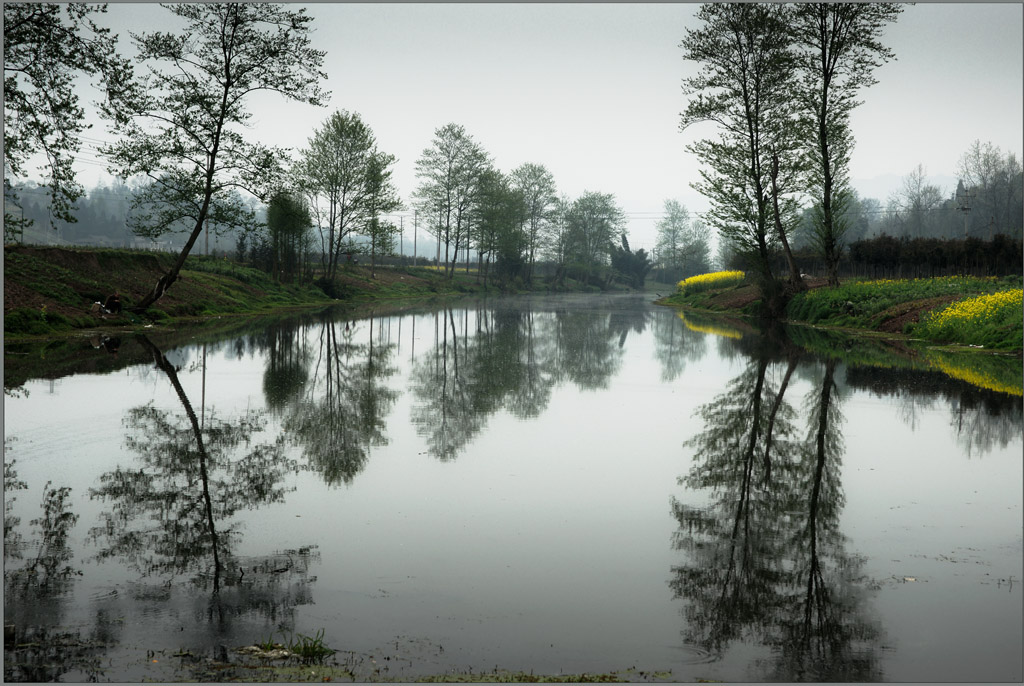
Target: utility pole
[(401, 235), (415, 227)]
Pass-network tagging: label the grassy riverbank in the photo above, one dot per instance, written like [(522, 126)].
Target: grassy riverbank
[(50, 291), (983, 313)]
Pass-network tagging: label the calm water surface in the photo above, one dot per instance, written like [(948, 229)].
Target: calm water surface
[(572, 484)]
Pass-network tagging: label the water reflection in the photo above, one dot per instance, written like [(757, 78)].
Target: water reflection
[(769, 579), (338, 413), (511, 360), (171, 513), (39, 575), (766, 561), (980, 419)]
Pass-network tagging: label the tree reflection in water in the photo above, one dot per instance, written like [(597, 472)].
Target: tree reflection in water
[(981, 419), (171, 514), (766, 561), (341, 411), (36, 591), (512, 361)]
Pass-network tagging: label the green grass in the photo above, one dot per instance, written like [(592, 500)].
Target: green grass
[(860, 303)]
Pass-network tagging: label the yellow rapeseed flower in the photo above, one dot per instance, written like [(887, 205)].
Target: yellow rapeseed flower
[(703, 282)]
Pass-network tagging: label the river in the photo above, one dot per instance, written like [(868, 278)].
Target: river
[(550, 484)]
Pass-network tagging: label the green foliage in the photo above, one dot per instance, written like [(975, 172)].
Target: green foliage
[(288, 222), (180, 124), (631, 267), (449, 172), (536, 186), (591, 224), (744, 85), (856, 303), (838, 48), (46, 46), (683, 245), (500, 213), (311, 648), (347, 183)]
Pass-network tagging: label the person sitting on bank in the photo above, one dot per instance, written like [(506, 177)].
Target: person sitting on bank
[(113, 304)]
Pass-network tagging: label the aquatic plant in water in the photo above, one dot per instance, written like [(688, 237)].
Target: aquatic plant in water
[(311, 648)]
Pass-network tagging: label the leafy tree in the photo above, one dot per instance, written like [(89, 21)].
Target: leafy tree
[(334, 174), (683, 244), (554, 241), (591, 223), (839, 48), (632, 266), (537, 186), (382, 197), (288, 222), (501, 226), (180, 124), (449, 172), (46, 46), (744, 87)]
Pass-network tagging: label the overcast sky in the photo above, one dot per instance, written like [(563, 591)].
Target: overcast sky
[(593, 91)]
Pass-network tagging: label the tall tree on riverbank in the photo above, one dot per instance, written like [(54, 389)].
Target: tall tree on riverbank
[(537, 187), (839, 48), (744, 86), (449, 172), (592, 222), (288, 224), (181, 125), (46, 46), (336, 173)]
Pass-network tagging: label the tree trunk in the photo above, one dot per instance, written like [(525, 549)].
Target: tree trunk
[(794, 273), (165, 281)]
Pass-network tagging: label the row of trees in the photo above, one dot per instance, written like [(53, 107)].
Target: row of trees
[(779, 82), (511, 220), (180, 127)]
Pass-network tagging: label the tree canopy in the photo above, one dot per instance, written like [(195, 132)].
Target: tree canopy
[(46, 47), (182, 123)]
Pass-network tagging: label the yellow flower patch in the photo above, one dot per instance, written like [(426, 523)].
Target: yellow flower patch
[(703, 282), (979, 310)]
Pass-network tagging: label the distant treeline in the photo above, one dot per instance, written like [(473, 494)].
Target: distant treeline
[(888, 257)]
